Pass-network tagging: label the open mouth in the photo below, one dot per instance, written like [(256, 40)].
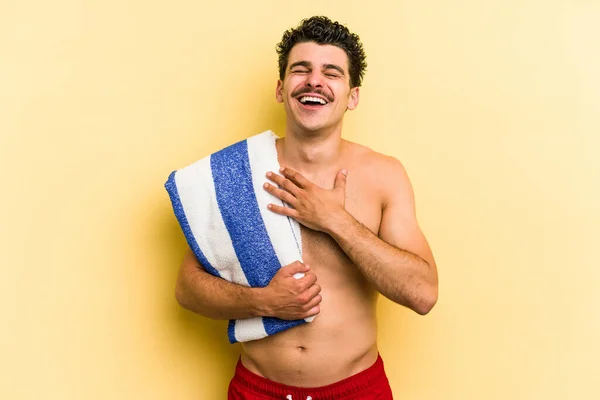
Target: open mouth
[(312, 101)]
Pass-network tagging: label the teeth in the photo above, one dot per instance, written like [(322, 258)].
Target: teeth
[(304, 99)]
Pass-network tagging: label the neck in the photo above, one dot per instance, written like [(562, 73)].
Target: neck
[(310, 151)]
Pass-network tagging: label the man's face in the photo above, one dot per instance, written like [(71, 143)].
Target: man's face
[(316, 88)]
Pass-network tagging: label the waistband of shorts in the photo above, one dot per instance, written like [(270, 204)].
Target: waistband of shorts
[(352, 385)]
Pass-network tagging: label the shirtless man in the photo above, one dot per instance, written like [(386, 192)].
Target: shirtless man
[(360, 238)]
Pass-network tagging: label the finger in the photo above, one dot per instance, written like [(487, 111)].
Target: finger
[(306, 296), (315, 301), (313, 291), (296, 177), (284, 183), (307, 281), (280, 194), (340, 180), (296, 267), (312, 312), (288, 212)]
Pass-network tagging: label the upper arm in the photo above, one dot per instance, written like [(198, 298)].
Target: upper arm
[(190, 262), (399, 226), (189, 268), (189, 272)]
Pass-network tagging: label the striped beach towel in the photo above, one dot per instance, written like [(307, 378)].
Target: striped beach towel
[(221, 206)]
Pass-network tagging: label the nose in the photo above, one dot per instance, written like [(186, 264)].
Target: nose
[(314, 79)]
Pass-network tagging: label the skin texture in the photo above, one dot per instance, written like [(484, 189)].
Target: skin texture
[(360, 238)]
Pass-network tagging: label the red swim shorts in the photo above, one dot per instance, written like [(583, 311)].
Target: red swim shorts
[(369, 384)]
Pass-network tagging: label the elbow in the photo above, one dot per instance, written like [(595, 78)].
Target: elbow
[(427, 301), (182, 295), (188, 301)]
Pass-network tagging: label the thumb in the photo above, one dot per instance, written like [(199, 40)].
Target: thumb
[(297, 267), (340, 180)]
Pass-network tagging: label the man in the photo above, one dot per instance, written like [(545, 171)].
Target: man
[(360, 238)]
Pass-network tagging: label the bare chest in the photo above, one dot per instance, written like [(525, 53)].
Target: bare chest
[(363, 198), (363, 202)]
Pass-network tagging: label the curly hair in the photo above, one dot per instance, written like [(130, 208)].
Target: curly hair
[(322, 30)]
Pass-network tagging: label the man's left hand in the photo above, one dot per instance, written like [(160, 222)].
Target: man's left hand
[(311, 205)]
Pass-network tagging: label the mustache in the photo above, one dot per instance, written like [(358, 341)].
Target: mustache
[(304, 90)]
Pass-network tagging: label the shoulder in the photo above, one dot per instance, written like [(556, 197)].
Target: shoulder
[(383, 166), (385, 172)]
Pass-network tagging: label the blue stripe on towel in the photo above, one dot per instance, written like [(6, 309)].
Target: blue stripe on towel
[(232, 176), (237, 202), (231, 331), (171, 187)]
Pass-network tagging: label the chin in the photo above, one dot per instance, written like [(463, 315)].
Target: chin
[(311, 130), (311, 126)]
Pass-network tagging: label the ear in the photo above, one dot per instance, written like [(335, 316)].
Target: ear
[(354, 97), (279, 91)]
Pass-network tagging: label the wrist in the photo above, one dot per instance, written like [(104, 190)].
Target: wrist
[(339, 223), (259, 302)]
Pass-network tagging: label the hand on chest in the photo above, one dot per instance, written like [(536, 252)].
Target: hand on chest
[(363, 197)]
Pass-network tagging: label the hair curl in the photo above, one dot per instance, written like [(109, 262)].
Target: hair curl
[(322, 30)]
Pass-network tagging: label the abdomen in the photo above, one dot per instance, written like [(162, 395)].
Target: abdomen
[(339, 342)]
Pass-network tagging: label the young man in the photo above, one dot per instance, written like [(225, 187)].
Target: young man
[(360, 238)]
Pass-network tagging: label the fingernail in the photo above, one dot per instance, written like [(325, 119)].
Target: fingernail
[(266, 185), (281, 169), (345, 171), (269, 174)]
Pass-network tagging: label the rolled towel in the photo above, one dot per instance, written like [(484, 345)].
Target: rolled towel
[(221, 206)]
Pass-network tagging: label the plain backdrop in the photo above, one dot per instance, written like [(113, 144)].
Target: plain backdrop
[(492, 106)]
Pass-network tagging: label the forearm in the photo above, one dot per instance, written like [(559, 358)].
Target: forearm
[(216, 298), (399, 275)]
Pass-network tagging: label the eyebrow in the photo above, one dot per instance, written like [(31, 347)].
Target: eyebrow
[(307, 64), (336, 67)]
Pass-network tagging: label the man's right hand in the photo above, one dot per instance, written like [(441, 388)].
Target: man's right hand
[(288, 298)]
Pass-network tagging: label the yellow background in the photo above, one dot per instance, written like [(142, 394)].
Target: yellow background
[(493, 107)]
